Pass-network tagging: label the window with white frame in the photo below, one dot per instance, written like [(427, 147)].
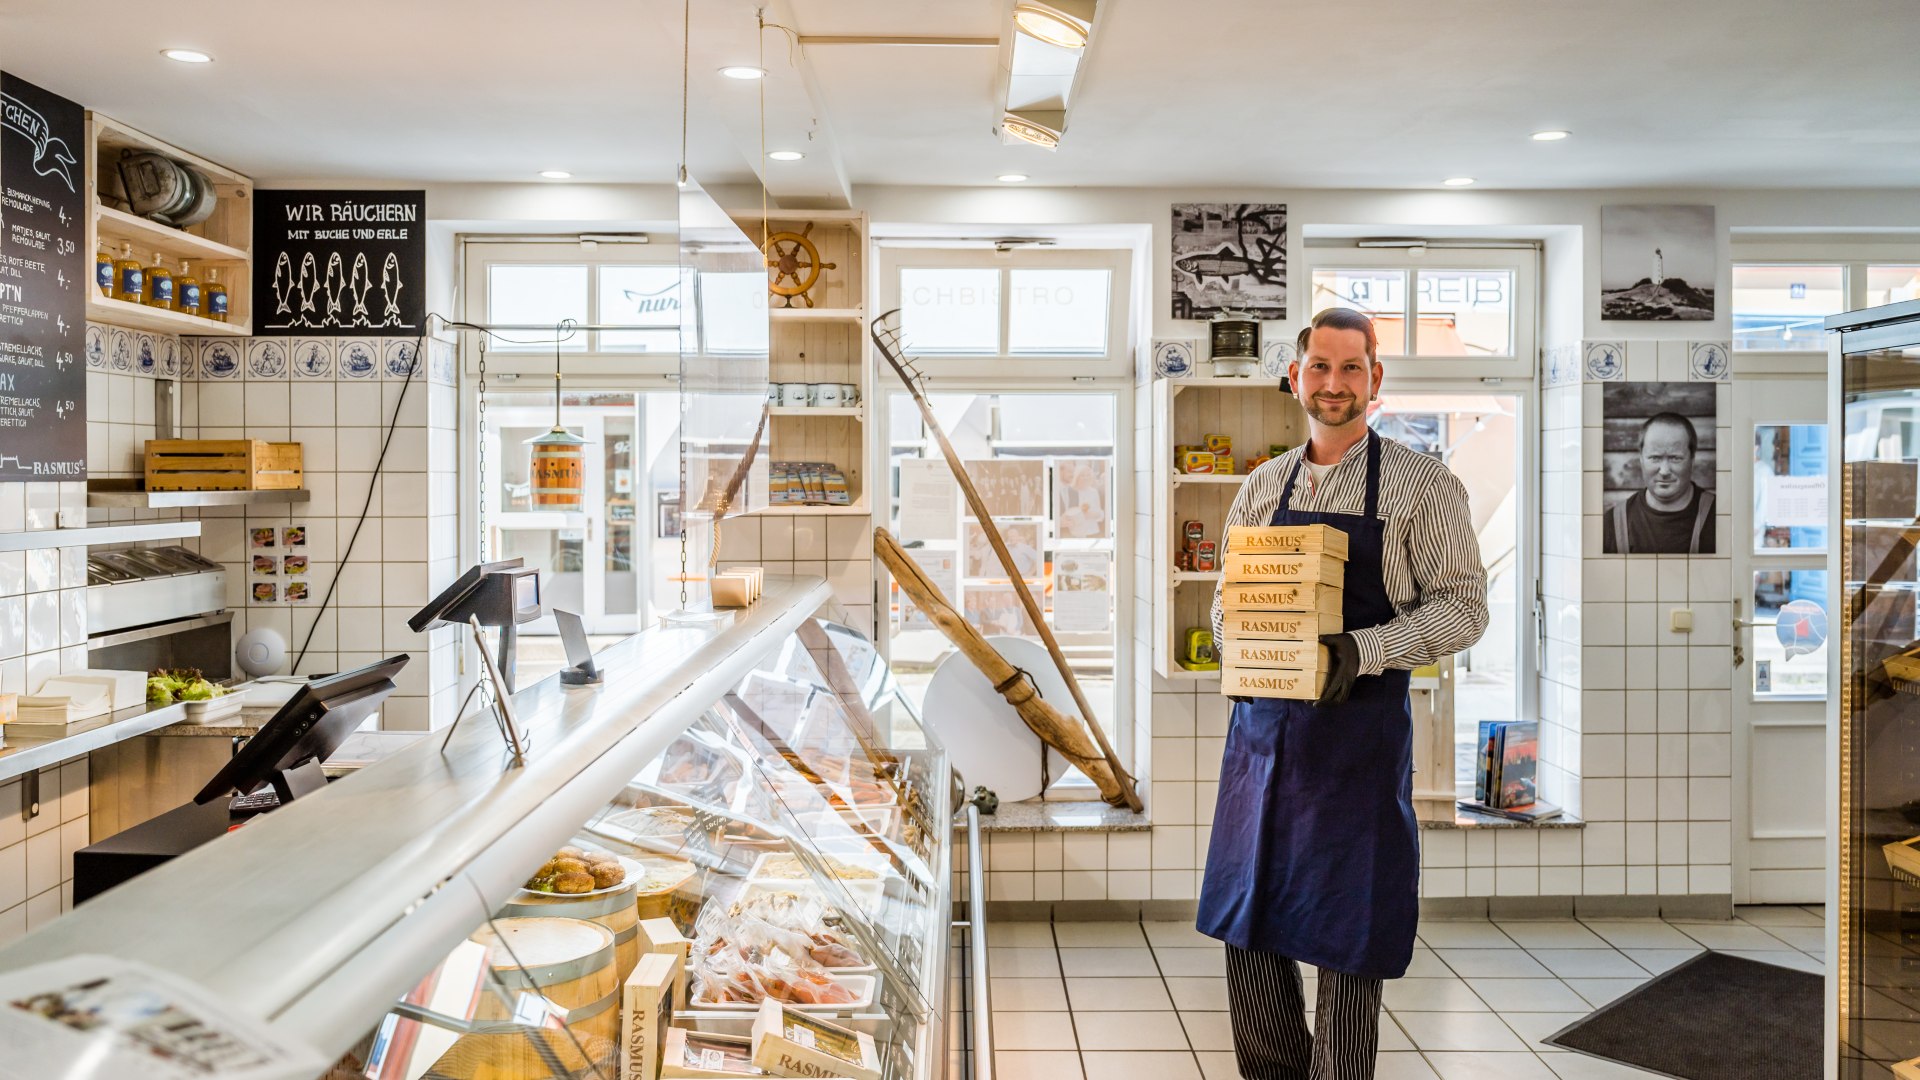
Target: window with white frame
[(595, 283), (1784, 292), (1028, 358), (1448, 319)]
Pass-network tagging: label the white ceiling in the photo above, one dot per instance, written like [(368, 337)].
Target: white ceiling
[(1278, 93)]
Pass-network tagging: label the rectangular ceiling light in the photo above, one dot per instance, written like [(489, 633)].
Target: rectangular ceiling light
[(1039, 67)]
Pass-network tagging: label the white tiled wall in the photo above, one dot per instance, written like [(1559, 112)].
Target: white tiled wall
[(836, 547)]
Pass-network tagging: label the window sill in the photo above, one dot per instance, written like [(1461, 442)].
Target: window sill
[(1462, 819), (1036, 816)]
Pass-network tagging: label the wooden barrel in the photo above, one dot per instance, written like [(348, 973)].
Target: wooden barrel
[(613, 909), (571, 962)]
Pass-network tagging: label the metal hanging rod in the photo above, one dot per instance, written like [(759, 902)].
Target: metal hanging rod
[(546, 327)]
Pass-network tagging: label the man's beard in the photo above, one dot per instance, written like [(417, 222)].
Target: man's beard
[(1335, 416)]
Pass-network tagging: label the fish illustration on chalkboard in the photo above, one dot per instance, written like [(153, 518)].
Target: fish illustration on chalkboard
[(360, 283), (333, 286), (309, 288), (282, 284), (390, 286)]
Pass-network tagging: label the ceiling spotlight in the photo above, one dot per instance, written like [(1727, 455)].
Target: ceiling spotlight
[(785, 155), (187, 56), (1457, 181), (743, 72), (1042, 129), (1064, 23), (1012, 177), (556, 174), (1554, 135)]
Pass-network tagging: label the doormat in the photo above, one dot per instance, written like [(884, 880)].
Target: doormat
[(1715, 1017)]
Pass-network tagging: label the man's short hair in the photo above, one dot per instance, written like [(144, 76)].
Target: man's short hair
[(1693, 437), (1343, 318)]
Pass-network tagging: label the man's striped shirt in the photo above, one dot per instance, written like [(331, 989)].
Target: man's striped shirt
[(1432, 559)]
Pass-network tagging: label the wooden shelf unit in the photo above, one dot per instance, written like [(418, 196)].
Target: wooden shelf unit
[(1257, 415), (224, 240), (825, 343)]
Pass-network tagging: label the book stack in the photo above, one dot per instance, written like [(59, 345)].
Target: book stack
[(1281, 588), (1506, 772)]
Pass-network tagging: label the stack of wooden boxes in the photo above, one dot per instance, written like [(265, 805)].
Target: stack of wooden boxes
[(1282, 587)]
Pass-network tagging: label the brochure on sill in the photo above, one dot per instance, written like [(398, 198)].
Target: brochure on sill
[(104, 1018)]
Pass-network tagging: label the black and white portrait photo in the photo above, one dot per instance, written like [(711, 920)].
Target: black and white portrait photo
[(1658, 459), (1657, 262), (1229, 257)]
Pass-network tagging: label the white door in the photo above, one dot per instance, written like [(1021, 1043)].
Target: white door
[(1779, 464)]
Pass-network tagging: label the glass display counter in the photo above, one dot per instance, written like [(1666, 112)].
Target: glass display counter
[(739, 844)]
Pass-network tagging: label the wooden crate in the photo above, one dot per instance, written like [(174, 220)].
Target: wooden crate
[(1280, 625), (1281, 539), (1280, 596), (1256, 682), (1285, 655), (1319, 569), (223, 465)]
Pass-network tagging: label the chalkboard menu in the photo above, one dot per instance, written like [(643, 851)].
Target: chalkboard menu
[(43, 281), (339, 263)]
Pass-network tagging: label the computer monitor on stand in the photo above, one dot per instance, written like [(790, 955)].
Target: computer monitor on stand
[(500, 594), (289, 749)]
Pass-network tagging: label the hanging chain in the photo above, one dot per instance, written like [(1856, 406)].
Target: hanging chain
[(482, 446), (686, 66)]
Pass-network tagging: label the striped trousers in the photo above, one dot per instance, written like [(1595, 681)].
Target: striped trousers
[(1267, 1007)]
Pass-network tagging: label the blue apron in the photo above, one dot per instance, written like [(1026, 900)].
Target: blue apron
[(1315, 851)]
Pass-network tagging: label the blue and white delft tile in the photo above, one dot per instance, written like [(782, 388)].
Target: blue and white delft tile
[(312, 358), (146, 360), (1604, 361), (266, 359), (398, 361), (221, 358), (96, 347), (1563, 365), (358, 358), (1709, 361), (189, 362), (166, 350), (442, 366), (1274, 358), (1173, 359), (120, 346)]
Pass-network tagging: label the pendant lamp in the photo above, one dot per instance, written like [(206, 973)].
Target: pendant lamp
[(559, 458)]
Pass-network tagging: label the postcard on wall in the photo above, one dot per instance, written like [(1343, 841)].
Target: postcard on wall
[(109, 1016), (1023, 540), (297, 592), (263, 538), (1082, 591), (266, 592), (1010, 487), (996, 609), (942, 572), (265, 565), (294, 536), (929, 500), (1082, 498)]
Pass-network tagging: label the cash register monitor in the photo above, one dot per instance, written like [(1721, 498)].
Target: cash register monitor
[(475, 593), (289, 748)]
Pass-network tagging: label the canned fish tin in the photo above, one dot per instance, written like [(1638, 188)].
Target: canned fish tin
[(1220, 444), (1196, 461), (1206, 556), (1193, 531)]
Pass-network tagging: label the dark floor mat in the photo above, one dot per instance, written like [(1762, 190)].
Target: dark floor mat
[(1715, 1017)]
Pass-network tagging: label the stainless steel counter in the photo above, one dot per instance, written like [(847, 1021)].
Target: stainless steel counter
[(22, 755)]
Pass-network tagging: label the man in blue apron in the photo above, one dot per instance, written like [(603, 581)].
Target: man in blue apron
[(1315, 853)]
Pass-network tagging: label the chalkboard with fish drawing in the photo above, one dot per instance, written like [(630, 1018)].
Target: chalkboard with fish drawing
[(1229, 257), (339, 263)]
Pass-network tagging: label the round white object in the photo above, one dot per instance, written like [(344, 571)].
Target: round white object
[(261, 652), (988, 743)]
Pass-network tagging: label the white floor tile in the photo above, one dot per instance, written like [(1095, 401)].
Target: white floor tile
[(1534, 1027), (1025, 963), (1032, 1031), (1771, 915), (1811, 939), (1723, 936), (1553, 934), (1030, 935), (1112, 1065), (1136, 963), (1392, 1039), (1080, 935), (1198, 994), (1175, 962), (1116, 995), (1492, 963), (1432, 995), (1400, 1066), (1582, 1067), (1208, 1030), (1522, 1065), (1527, 995), (1129, 1031), (1799, 961), (1476, 934), (1036, 1065), (1027, 995), (1659, 961), (1220, 1065), (1432, 1031), (1639, 934), (1600, 991), (1176, 935), (1426, 965), (1589, 963)]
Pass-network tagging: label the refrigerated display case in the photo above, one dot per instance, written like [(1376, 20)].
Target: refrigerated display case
[(1873, 927), (737, 815)]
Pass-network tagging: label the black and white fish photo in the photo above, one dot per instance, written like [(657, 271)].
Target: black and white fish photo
[(1657, 263), (1229, 257)]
